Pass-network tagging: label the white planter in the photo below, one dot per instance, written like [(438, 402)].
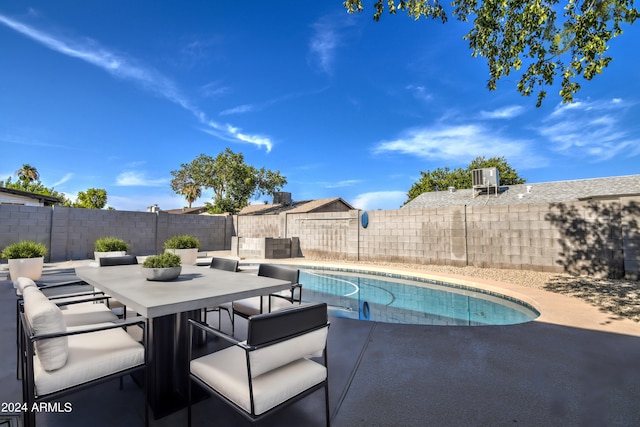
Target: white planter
[(98, 255), (26, 267), (187, 256)]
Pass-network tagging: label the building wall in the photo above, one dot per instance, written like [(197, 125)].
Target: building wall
[(14, 199), (70, 233)]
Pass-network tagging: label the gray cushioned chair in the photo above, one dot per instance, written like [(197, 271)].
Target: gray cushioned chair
[(113, 261), (272, 302), (283, 360), (58, 359), (226, 264)]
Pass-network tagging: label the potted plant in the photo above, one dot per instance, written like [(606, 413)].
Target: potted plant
[(26, 259), (162, 267), (109, 246), (185, 246)]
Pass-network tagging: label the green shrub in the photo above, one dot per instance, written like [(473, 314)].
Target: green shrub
[(182, 242), (24, 249), (165, 260), (110, 244)]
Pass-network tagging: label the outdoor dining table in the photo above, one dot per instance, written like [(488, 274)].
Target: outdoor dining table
[(167, 306)]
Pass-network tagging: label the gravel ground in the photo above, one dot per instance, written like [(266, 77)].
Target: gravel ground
[(621, 297)]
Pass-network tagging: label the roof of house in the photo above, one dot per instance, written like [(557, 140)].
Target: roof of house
[(544, 192), (304, 206), (46, 200), (193, 211)]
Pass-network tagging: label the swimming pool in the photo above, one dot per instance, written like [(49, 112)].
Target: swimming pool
[(409, 300)]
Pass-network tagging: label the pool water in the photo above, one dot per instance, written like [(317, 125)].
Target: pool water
[(400, 300)]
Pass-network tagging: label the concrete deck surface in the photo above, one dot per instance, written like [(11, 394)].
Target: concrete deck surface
[(574, 366)]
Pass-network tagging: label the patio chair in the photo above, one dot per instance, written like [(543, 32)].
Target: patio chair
[(272, 368), (227, 264), (256, 305), (58, 360), (77, 309), (116, 305)]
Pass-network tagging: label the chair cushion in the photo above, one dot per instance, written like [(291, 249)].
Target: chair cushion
[(270, 357), (45, 318), (23, 282), (91, 356), (251, 306), (226, 372), (87, 313)]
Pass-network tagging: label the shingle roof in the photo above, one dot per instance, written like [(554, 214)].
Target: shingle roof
[(303, 206), (544, 192)]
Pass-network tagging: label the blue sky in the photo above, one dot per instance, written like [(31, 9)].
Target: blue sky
[(117, 94)]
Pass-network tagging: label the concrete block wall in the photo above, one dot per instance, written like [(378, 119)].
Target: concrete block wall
[(329, 235), (70, 233), (260, 225), (76, 230), (211, 230), (598, 238), (512, 236), (25, 223), (630, 225)]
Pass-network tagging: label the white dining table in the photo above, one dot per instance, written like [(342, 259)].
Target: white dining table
[(167, 306)]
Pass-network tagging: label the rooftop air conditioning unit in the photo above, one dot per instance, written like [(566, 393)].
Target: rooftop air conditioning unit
[(485, 179), (281, 198)]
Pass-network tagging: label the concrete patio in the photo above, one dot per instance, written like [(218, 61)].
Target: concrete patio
[(573, 366)]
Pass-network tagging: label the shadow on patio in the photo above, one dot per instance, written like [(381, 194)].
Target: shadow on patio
[(405, 375)]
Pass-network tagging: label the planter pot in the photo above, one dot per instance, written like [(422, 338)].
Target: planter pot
[(26, 267), (98, 255), (188, 256), (161, 274)]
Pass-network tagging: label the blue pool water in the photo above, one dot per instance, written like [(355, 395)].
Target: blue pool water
[(404, 300)]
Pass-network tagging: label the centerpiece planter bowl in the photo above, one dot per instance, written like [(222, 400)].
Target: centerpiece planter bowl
[(162, 274), (162, 268)]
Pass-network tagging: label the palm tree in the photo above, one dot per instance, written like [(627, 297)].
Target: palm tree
[(28, 173), (191, 192)]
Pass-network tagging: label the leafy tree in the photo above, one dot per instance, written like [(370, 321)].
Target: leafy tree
[(93, 198), (441, 179), (233, 181), (530, 34), (28, 173)]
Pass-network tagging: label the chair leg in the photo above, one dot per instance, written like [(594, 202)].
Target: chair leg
[(326, 403), (189, 404)]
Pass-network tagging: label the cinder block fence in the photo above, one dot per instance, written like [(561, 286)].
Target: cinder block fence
[(595, 237)]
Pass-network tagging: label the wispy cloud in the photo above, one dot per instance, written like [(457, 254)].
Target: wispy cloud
[(214, 89), (590, 129), (325, 40), (62, 180), (503, 113), (230, 133), (126, 68), (345, 183), (460, 144), (240, 109), (380, 200), (132, 178), (420, 92)]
